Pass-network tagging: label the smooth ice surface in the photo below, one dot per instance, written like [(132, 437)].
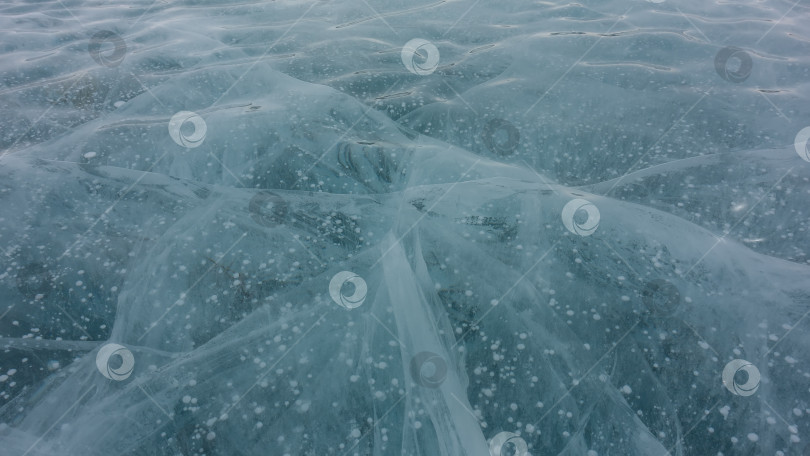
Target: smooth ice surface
[(191, 194)]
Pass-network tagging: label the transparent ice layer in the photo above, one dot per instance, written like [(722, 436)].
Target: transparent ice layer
[(396, 228)]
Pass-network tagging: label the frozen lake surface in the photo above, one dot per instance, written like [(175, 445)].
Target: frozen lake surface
[(388, 227)]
